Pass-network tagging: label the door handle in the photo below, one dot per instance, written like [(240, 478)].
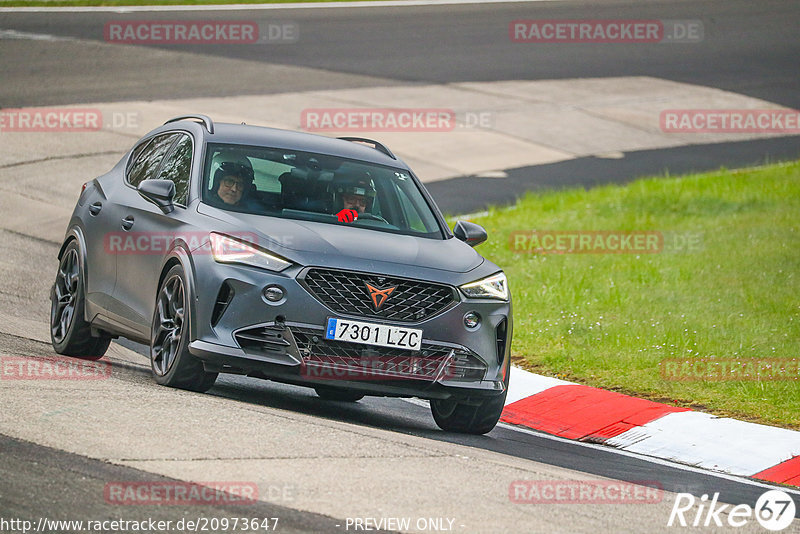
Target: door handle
[(127, 222), (95, 208)]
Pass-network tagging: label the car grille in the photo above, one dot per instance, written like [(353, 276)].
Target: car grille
[(346, 292), (355, 361)]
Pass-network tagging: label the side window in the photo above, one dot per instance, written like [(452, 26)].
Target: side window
[(267, 173), (148, 159), (136, 153), (178, 168)]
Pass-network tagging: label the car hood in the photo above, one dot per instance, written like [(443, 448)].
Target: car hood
[(309, 243)]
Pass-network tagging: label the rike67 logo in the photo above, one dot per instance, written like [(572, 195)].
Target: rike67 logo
[(774, 510)]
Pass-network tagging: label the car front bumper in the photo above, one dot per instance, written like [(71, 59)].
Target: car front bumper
[(237, 330)]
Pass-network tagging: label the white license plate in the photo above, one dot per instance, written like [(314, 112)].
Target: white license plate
[(374, 334)]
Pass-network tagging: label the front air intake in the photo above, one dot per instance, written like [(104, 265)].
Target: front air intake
[(501, 337), (224, 298)]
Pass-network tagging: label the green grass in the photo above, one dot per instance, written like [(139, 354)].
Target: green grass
[(73, 3), (609, 320)]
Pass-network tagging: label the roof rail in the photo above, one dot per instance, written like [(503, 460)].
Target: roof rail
[(205, 119), (376, 145)]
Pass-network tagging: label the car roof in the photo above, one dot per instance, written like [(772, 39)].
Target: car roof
[(245, 134)]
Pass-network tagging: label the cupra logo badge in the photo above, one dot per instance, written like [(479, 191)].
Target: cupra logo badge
[(379, 296)]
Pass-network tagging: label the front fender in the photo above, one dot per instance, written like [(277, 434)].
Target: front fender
[(180, 255), (75, 233)]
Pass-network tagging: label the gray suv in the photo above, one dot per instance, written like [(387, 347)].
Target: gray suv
[(286, 256)]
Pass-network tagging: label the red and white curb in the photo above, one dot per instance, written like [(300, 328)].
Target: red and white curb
[(584, 413)]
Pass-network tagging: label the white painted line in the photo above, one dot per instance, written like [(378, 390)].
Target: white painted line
[(523, 384), (695, 441), (259, 7), (633, 454), (718, 443), (651, 459), (14, 34)]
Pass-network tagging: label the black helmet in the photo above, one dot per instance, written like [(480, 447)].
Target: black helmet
[(354, 184), (232, 164)]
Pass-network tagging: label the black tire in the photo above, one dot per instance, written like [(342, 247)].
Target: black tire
[(70, 333), (170, 360), (341, 395), (477, 417)]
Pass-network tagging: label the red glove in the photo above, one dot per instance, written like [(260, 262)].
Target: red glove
[(347, 216)]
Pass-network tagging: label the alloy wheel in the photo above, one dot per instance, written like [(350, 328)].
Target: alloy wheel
[(170, 318), (65, 295)]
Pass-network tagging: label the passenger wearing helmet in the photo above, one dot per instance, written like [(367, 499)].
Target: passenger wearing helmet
[(232, 181), (353, 196)]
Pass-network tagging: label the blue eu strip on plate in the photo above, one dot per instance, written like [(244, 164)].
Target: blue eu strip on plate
[(330, 333)]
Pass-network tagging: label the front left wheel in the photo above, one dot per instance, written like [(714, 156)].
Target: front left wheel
[(170, 360), (70, 333)]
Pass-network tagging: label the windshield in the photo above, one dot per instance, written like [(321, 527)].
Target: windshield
[(316, 187)]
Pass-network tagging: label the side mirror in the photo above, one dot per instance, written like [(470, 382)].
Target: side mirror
[(159, 192), (470, 233)]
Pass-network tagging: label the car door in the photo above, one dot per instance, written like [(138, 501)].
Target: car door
[(151, 232), (106, 237), (101, 242)]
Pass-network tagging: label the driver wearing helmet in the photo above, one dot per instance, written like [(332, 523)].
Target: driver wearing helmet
[(232, 181), (353, 196)]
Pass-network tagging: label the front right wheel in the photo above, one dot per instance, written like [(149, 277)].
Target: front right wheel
[(469, 417), (170, 360)]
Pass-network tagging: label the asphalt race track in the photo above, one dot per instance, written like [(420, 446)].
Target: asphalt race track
[(317, 464), (748, 48)]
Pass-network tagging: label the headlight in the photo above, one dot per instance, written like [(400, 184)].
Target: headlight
[(229, 250), (494, 287)]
